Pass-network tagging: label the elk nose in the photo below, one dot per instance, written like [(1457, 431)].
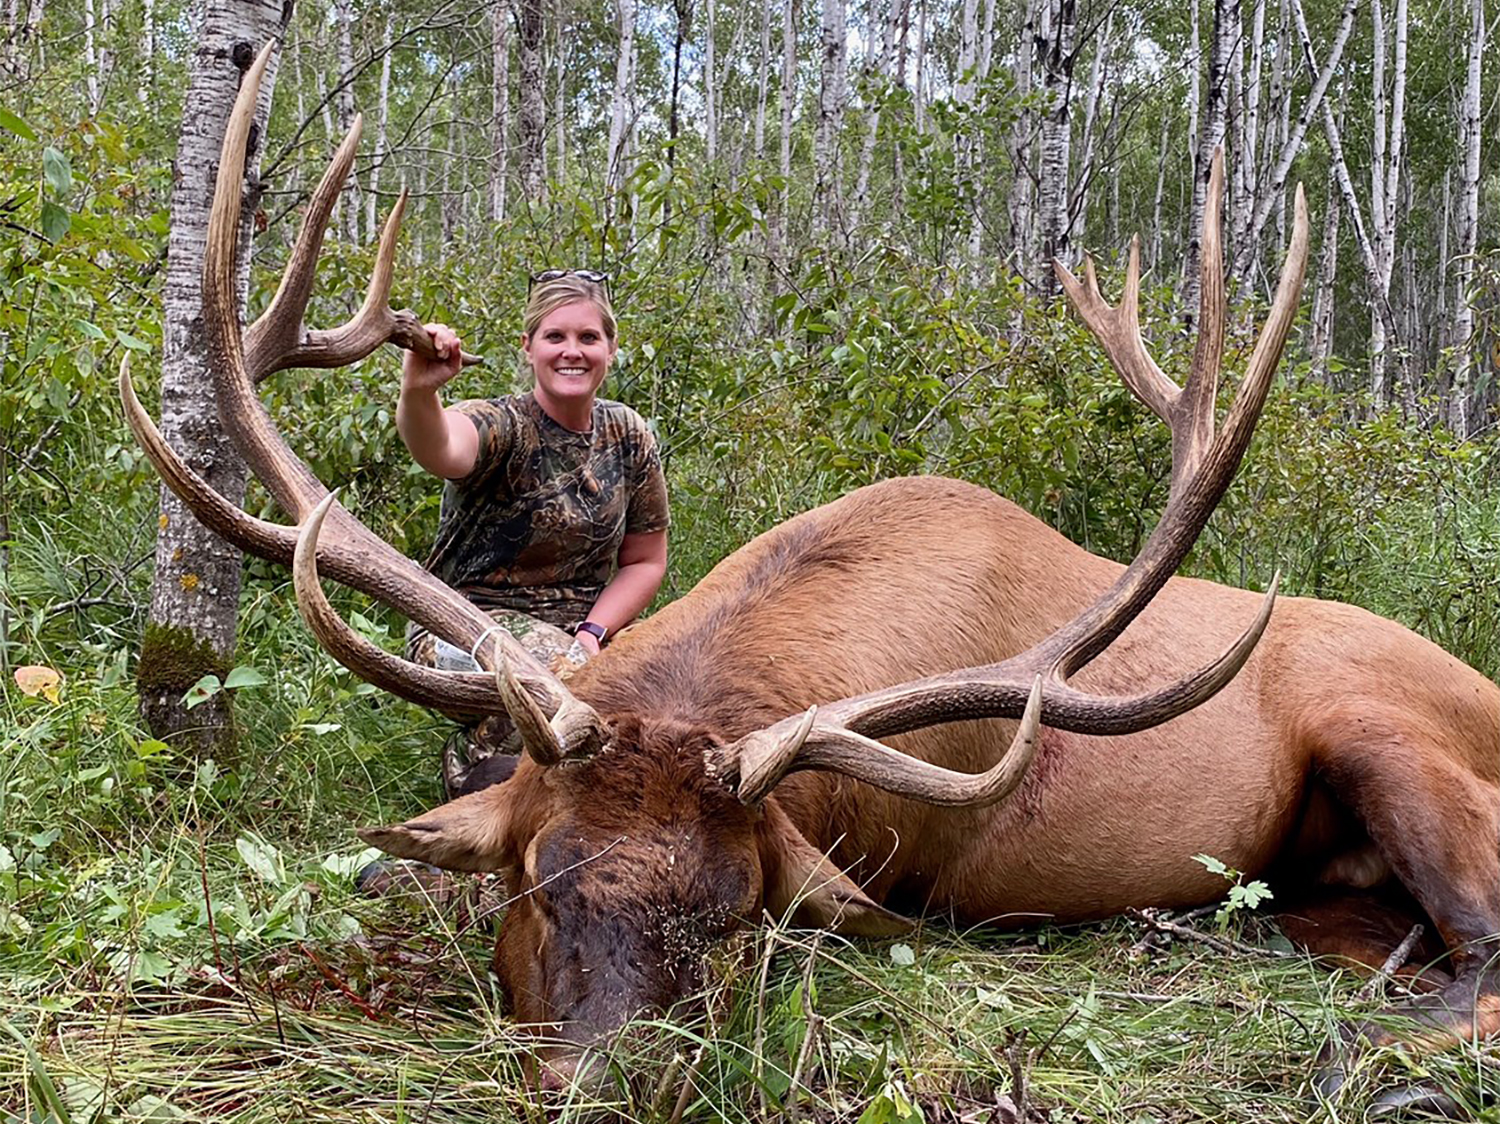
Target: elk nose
[(581, 1077)]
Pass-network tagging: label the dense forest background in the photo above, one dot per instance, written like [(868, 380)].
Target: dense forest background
[(828, 231)]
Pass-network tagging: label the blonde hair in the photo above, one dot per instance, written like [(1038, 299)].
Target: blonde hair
[(548, 296)]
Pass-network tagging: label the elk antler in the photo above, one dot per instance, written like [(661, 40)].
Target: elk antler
[(347, 551), (841, 739)]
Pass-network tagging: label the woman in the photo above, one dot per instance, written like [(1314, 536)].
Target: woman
[(554, 515)]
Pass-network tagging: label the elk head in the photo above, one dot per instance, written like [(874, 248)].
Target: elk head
[(633, 843)]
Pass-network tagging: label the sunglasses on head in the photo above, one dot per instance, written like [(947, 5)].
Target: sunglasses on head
[(592, 276)]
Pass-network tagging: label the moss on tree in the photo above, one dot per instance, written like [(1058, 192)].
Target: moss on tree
[(173, 659)]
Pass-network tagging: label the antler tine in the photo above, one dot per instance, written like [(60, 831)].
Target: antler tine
[(841, 738), (764, 762), (286, 342), (276, 332), (351, 553), (1118, 329), (459, 694)]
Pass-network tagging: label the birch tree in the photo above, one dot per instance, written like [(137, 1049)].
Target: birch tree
[(196, 586), (382, 123), (1468, 228), (710, 88), (344, 17), (827, 204), (500, 17), (533, 116), (1058, 34), (762, 81), (619, 117), (1385, 170), (1210, 137)]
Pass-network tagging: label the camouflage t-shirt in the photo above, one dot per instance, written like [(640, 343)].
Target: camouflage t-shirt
[(536, 527)]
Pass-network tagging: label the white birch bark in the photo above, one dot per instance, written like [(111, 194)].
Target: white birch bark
[(90, 58), (1055, 156), (1161, 182), (828, 206), (787, 96), (1098, 72), (1323, 297), (382, 141), (620, 115), (1215, 114), (1276, 189), (964, 89), (500, 16), (762, 82), (1331, 131), (560, 104), (148, 48), (1195, 78), (196, 585), (1247, 157), (1021, 207), (879, 75), (352, 208), (1462, 333), (710, 88), (919, 87)]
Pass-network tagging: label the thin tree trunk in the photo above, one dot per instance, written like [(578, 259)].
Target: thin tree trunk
[(787, 95), (90, 57), (919, 93), (1211, 136), (1462, 336), (195, 590), (828, 206), (1161, 183), (500, 17), (1021, 206), (560, 115), (710, 89), (1345, 183), (986, 54), (1055, 157), (964, 90), (1322, 310), (878, 72), (382, 142), (1292, 144), (533, 115), (1195, 79), (684, 9), (1245, 248), (1098, 71), (620, 115), (344, 14), (148, 48), (762, 81)]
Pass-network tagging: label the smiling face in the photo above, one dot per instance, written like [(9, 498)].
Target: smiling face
[(569, 353)]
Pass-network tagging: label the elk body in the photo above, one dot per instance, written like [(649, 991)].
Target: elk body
[(729, 756)]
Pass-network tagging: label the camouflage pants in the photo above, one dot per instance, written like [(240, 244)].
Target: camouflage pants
[(467, 751)]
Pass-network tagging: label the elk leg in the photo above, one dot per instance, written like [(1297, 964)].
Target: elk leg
[(1437, 824)]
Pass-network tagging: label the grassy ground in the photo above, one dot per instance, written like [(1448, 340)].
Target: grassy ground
[(184, 942)]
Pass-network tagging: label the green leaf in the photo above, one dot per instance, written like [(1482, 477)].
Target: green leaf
[(244, 677), (55, 222), (44, 839), (150, 747), (201, 691), (132, 342), (16, 125), (164, 925), (58, 173), (262, 858), (7, 860), (1212, 865), (903, 955)]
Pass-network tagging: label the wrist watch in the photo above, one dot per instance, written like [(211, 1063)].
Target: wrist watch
[(597, 631)]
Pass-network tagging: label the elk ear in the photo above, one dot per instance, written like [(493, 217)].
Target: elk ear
[(471, 833), (800, 880)]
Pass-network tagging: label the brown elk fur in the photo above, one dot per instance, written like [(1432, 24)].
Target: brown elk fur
[(1350, 756)]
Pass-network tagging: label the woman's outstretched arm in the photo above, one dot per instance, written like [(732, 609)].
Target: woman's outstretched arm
[(444, 442)]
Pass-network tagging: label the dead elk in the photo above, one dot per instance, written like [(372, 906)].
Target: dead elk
[(792, 736)]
